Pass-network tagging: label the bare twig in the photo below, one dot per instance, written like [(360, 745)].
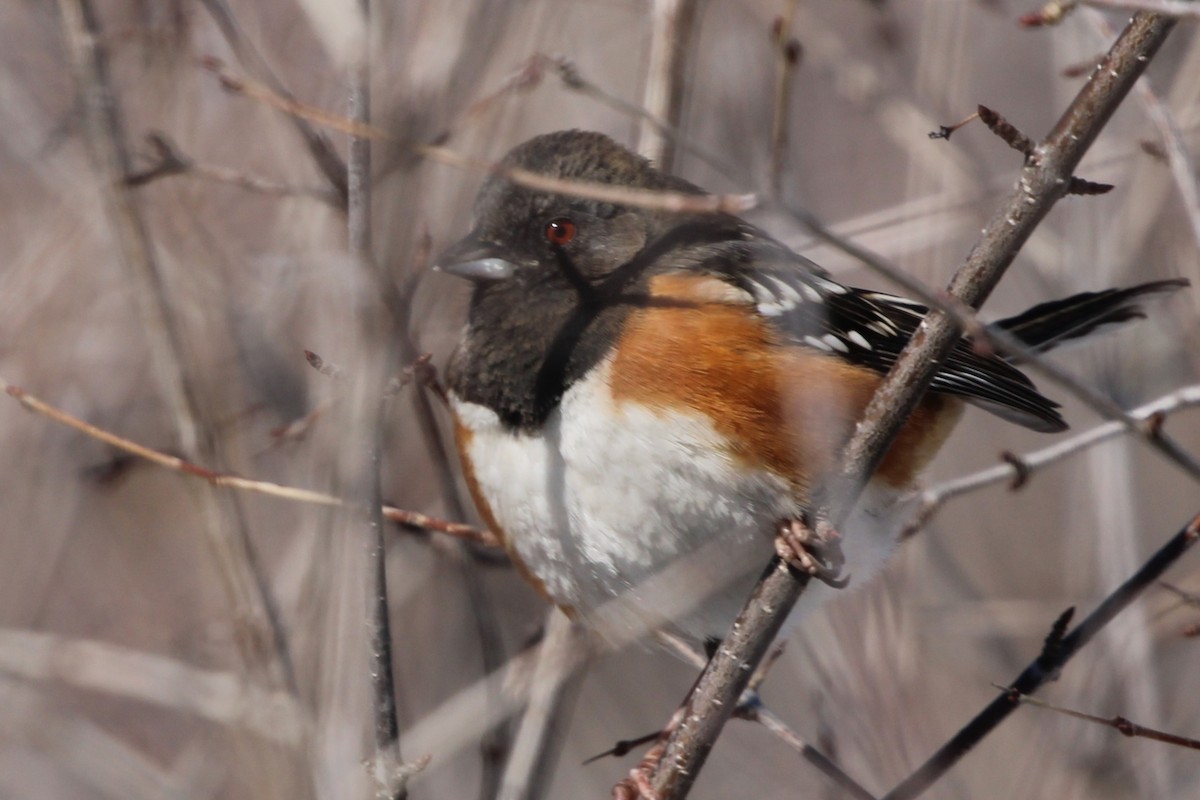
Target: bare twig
[(787, 58), (1183, 168), (223, 697), (1055, 11), (409, 519), (169, 160), (1055, 655), (641, 198), (671, 26), (1043, 183), (245, 584), (772, 722), (554, 688), (106, 140), (322, 151), (752, 709), (390, 783), (1124, 726), (1026, 465), (1171, 8), (1050, 14)]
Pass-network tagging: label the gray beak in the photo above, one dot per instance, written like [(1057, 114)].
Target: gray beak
[(475, 260)]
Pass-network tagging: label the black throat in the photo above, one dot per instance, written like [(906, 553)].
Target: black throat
[(527, 344), (531, 338)]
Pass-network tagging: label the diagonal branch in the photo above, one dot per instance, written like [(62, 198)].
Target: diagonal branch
[(103, 126), (1018, 469), (1043, 181), (326, 158), (1055, 655), (409, 519)]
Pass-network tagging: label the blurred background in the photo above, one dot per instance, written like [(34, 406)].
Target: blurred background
[(143, 612)]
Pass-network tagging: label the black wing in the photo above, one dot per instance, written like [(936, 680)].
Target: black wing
[(871, 328)]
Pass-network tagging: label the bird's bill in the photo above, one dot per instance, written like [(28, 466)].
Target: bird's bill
[(476, 261)]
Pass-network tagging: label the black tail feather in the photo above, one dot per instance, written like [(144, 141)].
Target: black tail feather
[(1048, 325)]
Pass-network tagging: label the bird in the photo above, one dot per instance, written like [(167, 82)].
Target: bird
[(641, 397)]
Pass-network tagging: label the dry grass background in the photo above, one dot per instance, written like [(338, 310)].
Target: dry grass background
[(120, 670)]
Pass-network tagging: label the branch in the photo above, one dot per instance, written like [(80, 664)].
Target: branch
[(554, 688), (1121, 724), (388, 772), (409, 519), (1002, 341), (1170, 8), (245, 584), (657, 200), (223, 697), (326, 158), (1183, 168), (787, 57), (168, 160), (671, 26), (1020, 468), (1044, 180), (752, 709), (1058, 651)]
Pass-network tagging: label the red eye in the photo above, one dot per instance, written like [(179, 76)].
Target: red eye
[(560, 231)]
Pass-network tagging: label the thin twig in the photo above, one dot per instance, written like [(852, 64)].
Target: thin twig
[(657, 200), (390, 784), (787, 57), (318, 144), (671, 26), (245, 583), (1043, 183), (752, 709), (409, 519), (1125, 726), (572, 78), (1055, 655), (1183, 168), (1171, 8), (1024, 466), (555, 685), (220, 696), (169, 161)]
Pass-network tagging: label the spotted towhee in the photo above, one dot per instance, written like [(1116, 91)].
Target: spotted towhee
[(642, 397)]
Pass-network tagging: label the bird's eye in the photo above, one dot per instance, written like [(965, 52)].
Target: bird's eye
[(560, 231)]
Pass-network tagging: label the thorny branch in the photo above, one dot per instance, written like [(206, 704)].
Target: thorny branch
[(1043, 182)]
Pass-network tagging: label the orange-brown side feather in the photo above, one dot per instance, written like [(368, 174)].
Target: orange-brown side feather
[(462, 440), (789, 409)]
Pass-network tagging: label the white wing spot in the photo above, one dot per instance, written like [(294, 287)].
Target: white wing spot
[(813, 341), (830, 286), (859, 340), (811, 294), (835, 343), (786, 294), (883, 327)]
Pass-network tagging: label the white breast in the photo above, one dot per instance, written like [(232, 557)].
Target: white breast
[(621, 502)]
